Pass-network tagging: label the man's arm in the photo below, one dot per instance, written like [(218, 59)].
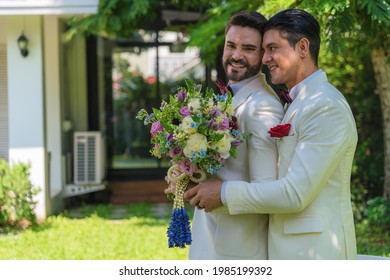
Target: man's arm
[(325, 135), (259, 117), (320, 147)]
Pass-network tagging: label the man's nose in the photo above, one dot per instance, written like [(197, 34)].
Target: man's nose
[(237, 54), (266, 58)]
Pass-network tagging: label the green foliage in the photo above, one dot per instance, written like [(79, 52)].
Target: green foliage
[(352, 74), (378, 213), (377, 10), (374, 231), (366, 21), (16, 197), (209, 34), (363, 20), (120, 18)]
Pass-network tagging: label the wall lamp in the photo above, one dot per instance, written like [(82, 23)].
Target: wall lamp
[(22, 43)]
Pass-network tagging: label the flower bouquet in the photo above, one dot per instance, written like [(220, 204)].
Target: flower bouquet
[(197, 130)]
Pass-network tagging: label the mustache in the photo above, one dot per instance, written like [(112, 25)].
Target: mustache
[(239, 61)]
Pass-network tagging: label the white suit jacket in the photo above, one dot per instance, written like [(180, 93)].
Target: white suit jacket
[(219, 235), (310, 203)]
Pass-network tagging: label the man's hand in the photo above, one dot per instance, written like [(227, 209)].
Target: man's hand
[(172, 187), (206, 195)]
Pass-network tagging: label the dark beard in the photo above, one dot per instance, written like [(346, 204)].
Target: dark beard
[(251, 70)]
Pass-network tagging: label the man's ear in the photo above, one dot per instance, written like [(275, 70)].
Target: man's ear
[(303, 47)]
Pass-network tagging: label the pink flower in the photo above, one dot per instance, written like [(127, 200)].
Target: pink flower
[(218, 157), (156, 128), (185, 111), (187, 167), (177, 151)]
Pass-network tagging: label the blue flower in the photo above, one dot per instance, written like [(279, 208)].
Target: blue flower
[(179, 232), (212, 170)]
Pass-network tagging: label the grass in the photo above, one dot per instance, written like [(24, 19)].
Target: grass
[(95, 233), (132, 232)]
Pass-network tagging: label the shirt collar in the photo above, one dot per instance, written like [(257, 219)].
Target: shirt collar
[(238, 86), (297, 88)]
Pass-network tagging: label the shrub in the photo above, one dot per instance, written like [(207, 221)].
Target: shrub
[(373, 233), (16, 197)]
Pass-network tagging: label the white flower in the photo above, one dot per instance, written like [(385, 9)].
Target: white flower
[(209, 105), (225, 107), (194, 105), (230, 110), (196, 142), (223, 146), (188, 125)]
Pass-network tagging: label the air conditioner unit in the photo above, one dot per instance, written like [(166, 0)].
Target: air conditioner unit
[(88, 158)]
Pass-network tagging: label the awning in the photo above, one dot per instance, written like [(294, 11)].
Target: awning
[(48, 7)]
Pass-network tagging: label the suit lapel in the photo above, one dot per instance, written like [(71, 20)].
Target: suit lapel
[(246, 91), (242, 95)]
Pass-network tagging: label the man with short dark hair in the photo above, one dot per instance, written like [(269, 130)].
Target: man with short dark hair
[(310, 203)]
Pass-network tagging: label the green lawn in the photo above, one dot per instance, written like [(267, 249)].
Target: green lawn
[(95, 233), (104, 232)]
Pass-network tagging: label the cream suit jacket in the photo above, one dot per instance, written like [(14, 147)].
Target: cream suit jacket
[(310, 204), (219, 235)]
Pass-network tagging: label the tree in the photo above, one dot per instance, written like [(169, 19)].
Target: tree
[(124, 18), (368, 22)]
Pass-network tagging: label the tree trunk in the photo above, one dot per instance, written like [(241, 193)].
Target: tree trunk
[(380, 61)]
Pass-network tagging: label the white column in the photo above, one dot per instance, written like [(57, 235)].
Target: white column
[(26, 103), (53, 99)]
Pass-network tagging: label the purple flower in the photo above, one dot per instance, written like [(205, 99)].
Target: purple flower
[(181, 96), (185, 111), (177, 151), (215, 112), (198, 87), (169, 137), (156, 128), (224, 124), (210, 123), (187, 167), (236, 143)]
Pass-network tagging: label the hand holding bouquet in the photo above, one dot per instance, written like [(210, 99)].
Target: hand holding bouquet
[(198, 131)]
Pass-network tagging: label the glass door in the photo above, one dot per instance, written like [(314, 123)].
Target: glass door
[(143, 74)]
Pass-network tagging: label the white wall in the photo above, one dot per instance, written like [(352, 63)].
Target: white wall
[(26, 103)]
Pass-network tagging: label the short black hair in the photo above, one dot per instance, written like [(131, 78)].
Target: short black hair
[(254, 20), (295, 24)]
